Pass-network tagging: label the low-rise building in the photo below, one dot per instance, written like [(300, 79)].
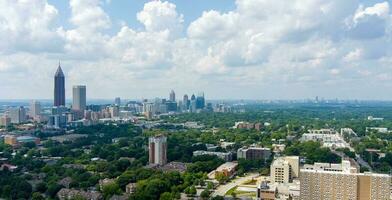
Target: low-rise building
[(253, 153), (228, 169), (15, 141), (68, 194), (222, 155), (130, 188)]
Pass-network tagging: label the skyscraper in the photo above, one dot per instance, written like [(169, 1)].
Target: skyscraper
[(18, 115), (79, 97), (35, 109), (117, 101), (59, 87), (185, 102), (157, 147), (172, 96)]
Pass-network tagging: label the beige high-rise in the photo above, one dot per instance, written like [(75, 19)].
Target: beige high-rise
[(285, 169), (342, 183)]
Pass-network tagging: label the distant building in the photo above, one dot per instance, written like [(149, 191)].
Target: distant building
[(172, 96), (157, 150), (59, 88), (79, 98), (18, 115), (114, 111), (253, 153), (185, 102), (227, 169), (222, 155), (284, 169), (341, 181), (200, 101), (5, 121), (117, 101), (35, 109), (68, 194), (19, 140)]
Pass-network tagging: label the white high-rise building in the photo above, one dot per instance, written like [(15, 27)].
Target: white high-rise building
[(35, 109), (285, 169), (18, 115), (157, 147), (79, 97)]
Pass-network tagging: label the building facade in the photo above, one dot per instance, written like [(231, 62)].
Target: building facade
[(254, 153), (284, 169), (79, 97), (59, 88), (342, 182), (157, 147)]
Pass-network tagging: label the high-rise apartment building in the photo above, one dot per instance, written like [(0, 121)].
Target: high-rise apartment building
[(59, 88), (157, 147), (284, 169), (342, 182), (35, 109), (172, 96), (114, 111), (79, 97)]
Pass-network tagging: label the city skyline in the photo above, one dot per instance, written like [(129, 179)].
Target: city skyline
[(228, 49)]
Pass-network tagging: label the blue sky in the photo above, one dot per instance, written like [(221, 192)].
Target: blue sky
[(237, 49)]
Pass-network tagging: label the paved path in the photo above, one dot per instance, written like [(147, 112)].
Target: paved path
[(223, 189)]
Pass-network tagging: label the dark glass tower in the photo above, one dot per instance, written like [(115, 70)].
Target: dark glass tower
[(59, 88)]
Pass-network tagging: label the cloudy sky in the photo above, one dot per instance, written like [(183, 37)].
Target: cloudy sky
[(238, 49)]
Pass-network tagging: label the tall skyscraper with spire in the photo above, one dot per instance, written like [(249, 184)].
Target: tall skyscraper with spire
[(59, 87)]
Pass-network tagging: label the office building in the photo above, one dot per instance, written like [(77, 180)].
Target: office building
[(59, 88), (341, 181), (200, 101), (35, 109), (79, 98), (284, 169), (157, 147), (18, 115), (172, 96), (5, 121), (185, 102), (117, 101), (254, 153)]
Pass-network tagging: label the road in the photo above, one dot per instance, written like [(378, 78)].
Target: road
[(223, 189)]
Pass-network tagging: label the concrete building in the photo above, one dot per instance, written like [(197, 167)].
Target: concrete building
[(79, 98), (35, 109), (284, 169), (18, 115), (222, 155), (5, 121), (340, 181), (157, 147), (114, 111), (59, 88), (254, 153)]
